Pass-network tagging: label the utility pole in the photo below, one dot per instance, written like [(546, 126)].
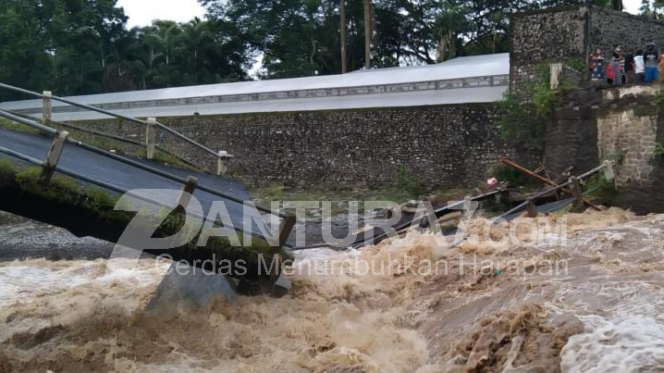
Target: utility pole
[(367, 34), (342, 11)]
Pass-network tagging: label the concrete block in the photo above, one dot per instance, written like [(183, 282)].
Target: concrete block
[(191, 286)]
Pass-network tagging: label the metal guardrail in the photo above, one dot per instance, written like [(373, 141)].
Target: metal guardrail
[(34, 124), (109, 136), (607, 166), (221, 156), (417, 220), (287, 224), (111, 187)]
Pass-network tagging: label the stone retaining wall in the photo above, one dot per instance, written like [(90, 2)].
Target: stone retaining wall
[(559, 35), (620, 124), (451, 145)]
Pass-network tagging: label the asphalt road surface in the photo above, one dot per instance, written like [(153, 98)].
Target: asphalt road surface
[(127, 177)]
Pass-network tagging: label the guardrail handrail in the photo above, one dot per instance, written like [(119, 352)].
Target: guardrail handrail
[(135, 164), (110, 113), (109, 136), (553, 189), (108, 186)]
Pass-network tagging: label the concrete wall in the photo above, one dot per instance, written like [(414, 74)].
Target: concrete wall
[(545, 36), (451, 145), (609, 27), (557, 35), (620, 124)]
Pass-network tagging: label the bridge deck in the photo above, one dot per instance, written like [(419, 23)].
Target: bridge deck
[(127, 178)]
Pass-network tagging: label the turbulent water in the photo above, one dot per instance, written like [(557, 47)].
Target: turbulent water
[(604, 313)]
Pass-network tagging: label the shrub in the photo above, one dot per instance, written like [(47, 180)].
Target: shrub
[(408, 184)]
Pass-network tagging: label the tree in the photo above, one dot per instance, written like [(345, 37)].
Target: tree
[(367, 34), (342, 25)]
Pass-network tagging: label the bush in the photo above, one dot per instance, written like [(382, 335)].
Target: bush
[(600, 188), (408, 184), (513, 177)]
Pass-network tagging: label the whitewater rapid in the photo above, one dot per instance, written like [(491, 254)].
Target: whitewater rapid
[(605, 314)]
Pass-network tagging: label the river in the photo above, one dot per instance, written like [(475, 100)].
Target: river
[(489, 308)]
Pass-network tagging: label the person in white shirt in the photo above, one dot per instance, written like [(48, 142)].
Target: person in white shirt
[(639, 67)]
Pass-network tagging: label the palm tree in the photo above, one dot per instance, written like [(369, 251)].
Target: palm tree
[(367, 34), (342, 13), (449, 23)]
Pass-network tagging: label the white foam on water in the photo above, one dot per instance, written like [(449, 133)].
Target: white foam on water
[(635, 344), (624, 329), (25, 280)]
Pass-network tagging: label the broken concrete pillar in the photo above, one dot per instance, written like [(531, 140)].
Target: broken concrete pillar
[(46, 107), (53, 156), (151, 137)]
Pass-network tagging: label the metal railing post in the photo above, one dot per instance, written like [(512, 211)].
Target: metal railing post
[(531, 208), (609, 173), (556, 71), (222, 162), (186, 193), (150, 137), (286, 228), (47, 108), (577, 192), (53, 156)]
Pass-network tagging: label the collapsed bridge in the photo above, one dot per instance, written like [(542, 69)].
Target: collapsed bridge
[(48, 176)]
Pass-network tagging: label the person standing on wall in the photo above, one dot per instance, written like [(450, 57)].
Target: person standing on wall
[(651, 60), (610, 73), (617, 65), (614, 64), (629, 68), (597, 66), (661, 66), (639, 67)]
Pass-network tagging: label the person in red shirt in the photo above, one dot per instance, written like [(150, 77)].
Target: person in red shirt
[(610, 74)]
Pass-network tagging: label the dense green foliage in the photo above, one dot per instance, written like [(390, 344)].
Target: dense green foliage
[(523, 114), (409, 184), (84, 46)]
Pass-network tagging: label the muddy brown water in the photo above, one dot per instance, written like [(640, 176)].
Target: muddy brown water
[(605, 313)]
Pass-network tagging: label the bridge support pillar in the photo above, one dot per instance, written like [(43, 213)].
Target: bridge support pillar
[(46, 107), (53, 156), (150, 138), (222, 163)]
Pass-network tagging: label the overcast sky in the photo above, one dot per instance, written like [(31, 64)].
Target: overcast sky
[(632, 6), (142, 12)]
